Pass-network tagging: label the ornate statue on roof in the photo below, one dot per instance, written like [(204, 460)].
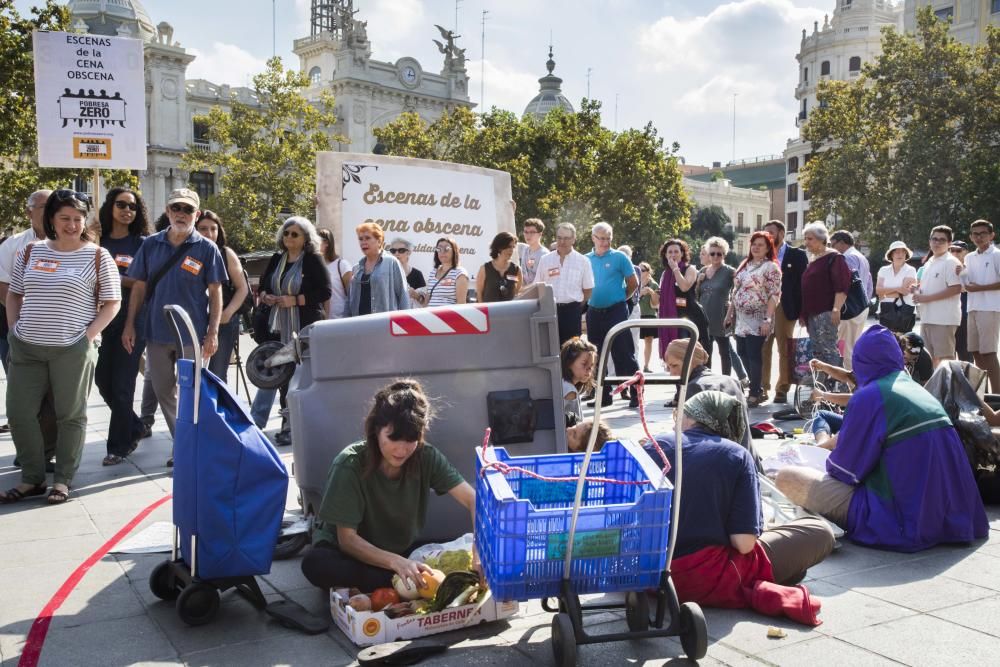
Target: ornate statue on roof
[(454, 57)]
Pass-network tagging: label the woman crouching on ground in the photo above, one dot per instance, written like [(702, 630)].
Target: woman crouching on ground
[(375, 502)]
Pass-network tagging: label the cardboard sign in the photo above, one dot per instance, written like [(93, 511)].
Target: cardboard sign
[(420, 201), (90, 101)]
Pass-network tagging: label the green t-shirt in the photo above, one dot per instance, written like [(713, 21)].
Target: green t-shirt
[(388, 513)]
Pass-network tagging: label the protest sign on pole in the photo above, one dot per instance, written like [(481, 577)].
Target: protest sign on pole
[(90, 101), (417, 200)]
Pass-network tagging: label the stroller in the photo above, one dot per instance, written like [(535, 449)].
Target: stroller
[(230, 490)]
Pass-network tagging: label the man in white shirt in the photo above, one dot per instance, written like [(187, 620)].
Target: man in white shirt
[(940, 297), (981, 279), (8, 251), (530, 252), (572, 279), (850, 330)]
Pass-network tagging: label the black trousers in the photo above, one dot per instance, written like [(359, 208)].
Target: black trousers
[(115, 377), (599, 322), (569, 316), (326, 566)]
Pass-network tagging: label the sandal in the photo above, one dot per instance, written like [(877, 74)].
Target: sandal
[(15, 494), (57, 497), (112, 460)]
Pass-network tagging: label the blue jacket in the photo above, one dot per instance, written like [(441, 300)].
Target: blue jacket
[(388, 285), (914, 484)]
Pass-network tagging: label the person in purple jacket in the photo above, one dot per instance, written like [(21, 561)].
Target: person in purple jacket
[(899, 478)]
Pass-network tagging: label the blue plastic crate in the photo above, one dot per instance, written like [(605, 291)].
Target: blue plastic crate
[(522, 524)]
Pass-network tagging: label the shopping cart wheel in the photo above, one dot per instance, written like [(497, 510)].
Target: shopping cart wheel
[(198, 603), (163, 583), (694, 632), (637, 611), (290, 546), (563, 640)]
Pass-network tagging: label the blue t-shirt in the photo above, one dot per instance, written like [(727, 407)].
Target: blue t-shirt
[(720, 496), (611, 270), (184, 284), (123, 251)]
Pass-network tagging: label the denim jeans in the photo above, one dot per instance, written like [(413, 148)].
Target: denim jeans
[(599, 322), (228, 333), (115, 378), (750, 349), (828, 422)]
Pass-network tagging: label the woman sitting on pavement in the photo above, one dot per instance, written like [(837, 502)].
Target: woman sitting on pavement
[(375, 502), (899, 477), (578, 435), (577, 358), (63, 292), (724, 556)]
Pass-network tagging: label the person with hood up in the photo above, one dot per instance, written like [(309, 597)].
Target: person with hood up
[(899, 478)]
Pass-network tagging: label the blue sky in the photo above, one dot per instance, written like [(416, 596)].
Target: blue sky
[(676, 63)]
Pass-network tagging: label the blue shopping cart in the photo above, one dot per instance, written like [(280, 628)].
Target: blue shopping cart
[(566, 525), (230, 490)]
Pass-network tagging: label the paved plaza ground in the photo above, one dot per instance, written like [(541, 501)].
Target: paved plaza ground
[(938, 607)]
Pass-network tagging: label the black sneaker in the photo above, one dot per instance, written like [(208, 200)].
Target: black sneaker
[(147, 431)]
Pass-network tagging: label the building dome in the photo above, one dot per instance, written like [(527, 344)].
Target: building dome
[(113, 18), (549, 94)]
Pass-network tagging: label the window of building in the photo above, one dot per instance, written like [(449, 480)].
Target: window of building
[(203, 183), (805, 194), (805, 70), (739, 219), (945, 13), (200, 133), (854, 64), (760, 221), (803, 109), (83, 184), (824, 68), (792, 220), (793, 192), (315, 76), (793, 165), (845, 4), (995, 7)]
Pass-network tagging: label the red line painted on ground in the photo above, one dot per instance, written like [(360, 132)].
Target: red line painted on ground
[(40, 628)]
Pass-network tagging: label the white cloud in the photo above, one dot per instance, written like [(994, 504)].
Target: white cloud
[(224, 63), (506, 87)]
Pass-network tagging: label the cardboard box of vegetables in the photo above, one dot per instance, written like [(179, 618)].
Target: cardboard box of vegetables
[(451, 598)]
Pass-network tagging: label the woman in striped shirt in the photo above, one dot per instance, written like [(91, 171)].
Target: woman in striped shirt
[(449, 284), (63, 292)]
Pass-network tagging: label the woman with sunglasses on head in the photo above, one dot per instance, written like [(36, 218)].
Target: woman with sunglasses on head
[(234, 293), (715, 284), (124, 226), (63, 292), (449, 284), (341, 273), (378, 284), (296, 285)]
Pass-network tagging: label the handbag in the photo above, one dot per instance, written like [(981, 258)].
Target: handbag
[(229, 290), (857, 301), (897, 315), (800, 352)]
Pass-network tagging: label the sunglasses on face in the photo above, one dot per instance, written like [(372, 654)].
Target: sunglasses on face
[(398, 251), (290, 233), (644, 270), (182, 208), (938, 239), (72, 194), (715, 254), (122, 205), (444, 248)]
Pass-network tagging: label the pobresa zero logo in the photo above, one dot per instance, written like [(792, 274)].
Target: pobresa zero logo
[(91, 109), (371, 627), (440, 321), (94, 148)]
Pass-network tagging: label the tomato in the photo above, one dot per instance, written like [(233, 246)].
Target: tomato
[(383, 597)]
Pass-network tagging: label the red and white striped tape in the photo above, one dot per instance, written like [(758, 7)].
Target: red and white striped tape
[(440, 321)]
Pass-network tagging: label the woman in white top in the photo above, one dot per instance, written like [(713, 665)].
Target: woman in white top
[(895, 280), (449, 283), (63, 292), (341, 273)]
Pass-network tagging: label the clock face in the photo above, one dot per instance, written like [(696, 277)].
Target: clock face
[(409, 74)]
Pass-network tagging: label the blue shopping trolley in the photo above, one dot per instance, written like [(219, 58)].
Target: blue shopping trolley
[(230, 490)]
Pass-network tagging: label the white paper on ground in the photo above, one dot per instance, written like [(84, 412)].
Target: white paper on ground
[(156, 538)]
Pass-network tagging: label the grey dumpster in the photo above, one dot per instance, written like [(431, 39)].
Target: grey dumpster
[(461, 354)]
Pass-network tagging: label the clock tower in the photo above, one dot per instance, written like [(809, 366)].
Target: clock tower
[(337, 57)]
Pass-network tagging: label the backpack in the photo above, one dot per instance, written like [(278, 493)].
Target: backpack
[(857, 301)]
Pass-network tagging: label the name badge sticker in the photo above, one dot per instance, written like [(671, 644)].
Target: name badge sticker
[(191, 265), (512, 277), (554, 273), (45, 265), (124, 261)]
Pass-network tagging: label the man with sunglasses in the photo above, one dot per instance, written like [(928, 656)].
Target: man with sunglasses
[(940, 297), (35, 211), (981, 279), (181, 267)]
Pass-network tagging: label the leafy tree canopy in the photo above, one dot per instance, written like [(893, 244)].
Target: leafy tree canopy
[(912, 143), (564, 167), (20, 174), (265, 156)]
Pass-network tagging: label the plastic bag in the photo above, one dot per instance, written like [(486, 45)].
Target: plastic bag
[(954, 383), (421, 553)]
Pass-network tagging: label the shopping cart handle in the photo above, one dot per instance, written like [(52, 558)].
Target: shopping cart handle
[(174, 313)]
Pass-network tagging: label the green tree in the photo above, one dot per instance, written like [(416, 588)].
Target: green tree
[(912, 143), (265, 155), (20, 174), (564, 167)]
